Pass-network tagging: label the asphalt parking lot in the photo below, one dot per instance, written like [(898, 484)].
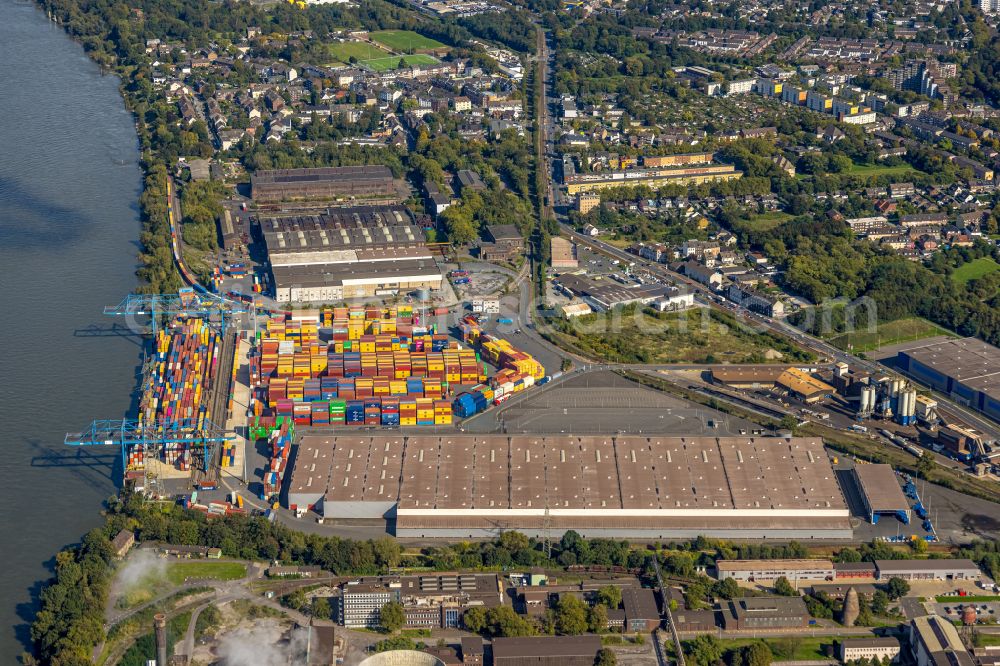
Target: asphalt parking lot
[(603, 402), (956, 518)]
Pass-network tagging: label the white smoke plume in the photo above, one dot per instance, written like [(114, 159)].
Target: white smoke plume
[(265, 644), (142, 567)]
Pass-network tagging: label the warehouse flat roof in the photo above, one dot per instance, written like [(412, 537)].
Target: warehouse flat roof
[(312, 240), (546, 646), (880, 487), (963, 360), (313, 463), (768, 479), (789, 565), (280, 176), (317, 275), (742, 375), (926, 565)]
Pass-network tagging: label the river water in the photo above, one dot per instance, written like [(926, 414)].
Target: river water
[(69, 185)]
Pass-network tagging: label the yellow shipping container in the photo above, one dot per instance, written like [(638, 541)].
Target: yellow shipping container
[(443, 420), (408, 420)]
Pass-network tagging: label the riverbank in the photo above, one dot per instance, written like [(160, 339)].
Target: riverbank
[(68, 234)]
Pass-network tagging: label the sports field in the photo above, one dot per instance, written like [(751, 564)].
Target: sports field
[(405, 41), (344, 51), (392, 62), (974, 270)]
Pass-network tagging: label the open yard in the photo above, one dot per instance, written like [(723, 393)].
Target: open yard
[(178, 572), (806, 648), (888, 333), (344, 51), (698, 335), (405, 41), (767, 221), (392, 62), (881, 170), (974, 270)]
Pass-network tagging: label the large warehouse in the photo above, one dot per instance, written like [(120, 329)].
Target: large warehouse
[(881, 493), (348, 182), (968, 370), (342, 253), (466, 486)]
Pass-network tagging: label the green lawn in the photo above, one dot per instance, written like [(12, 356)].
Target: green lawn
[(986, 640), (955, 599), (405, 41), (881, 170), (181, 571), (805, 648), (974, 270), (768, 221), (888, 333), (392, 62), (344, 51)]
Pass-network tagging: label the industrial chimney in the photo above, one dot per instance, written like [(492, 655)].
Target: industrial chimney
[(160, 631)]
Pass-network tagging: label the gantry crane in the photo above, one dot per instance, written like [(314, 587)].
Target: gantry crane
[(130, 433), (187, 302)]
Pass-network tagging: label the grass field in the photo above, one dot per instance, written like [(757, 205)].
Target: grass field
[(889, 333), (806, 648), (392, 62), (953, 599), (181, 571), (768, 220), (405, 41), (974, 270), (692, 336), (881, 170), (344, 51)]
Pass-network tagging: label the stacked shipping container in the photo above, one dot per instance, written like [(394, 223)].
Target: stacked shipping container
[(184, 370)]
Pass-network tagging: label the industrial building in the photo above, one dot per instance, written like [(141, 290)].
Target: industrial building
[(655, 177), (429, 601), (881, 493), (967, 370), (546, 651), (928, 569), (342, 253), (755, 613), (604, 297), (769, 570), (796, 381), (467, 486), (641, 611), (934, 641), (354, 182), (563, 253), (852, 649)]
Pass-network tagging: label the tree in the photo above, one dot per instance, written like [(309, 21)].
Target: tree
[(321, 608), (597, 619), (387, 551), (474, 619), (571, 616), (880, 603), (897, 588), (727, 589), (784, 588), (610, 596), (704, 650), (606, 657), (392, 617), (925, 464), (757, 654)]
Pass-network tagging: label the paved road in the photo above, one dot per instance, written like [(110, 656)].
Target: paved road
[(912, 607)]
